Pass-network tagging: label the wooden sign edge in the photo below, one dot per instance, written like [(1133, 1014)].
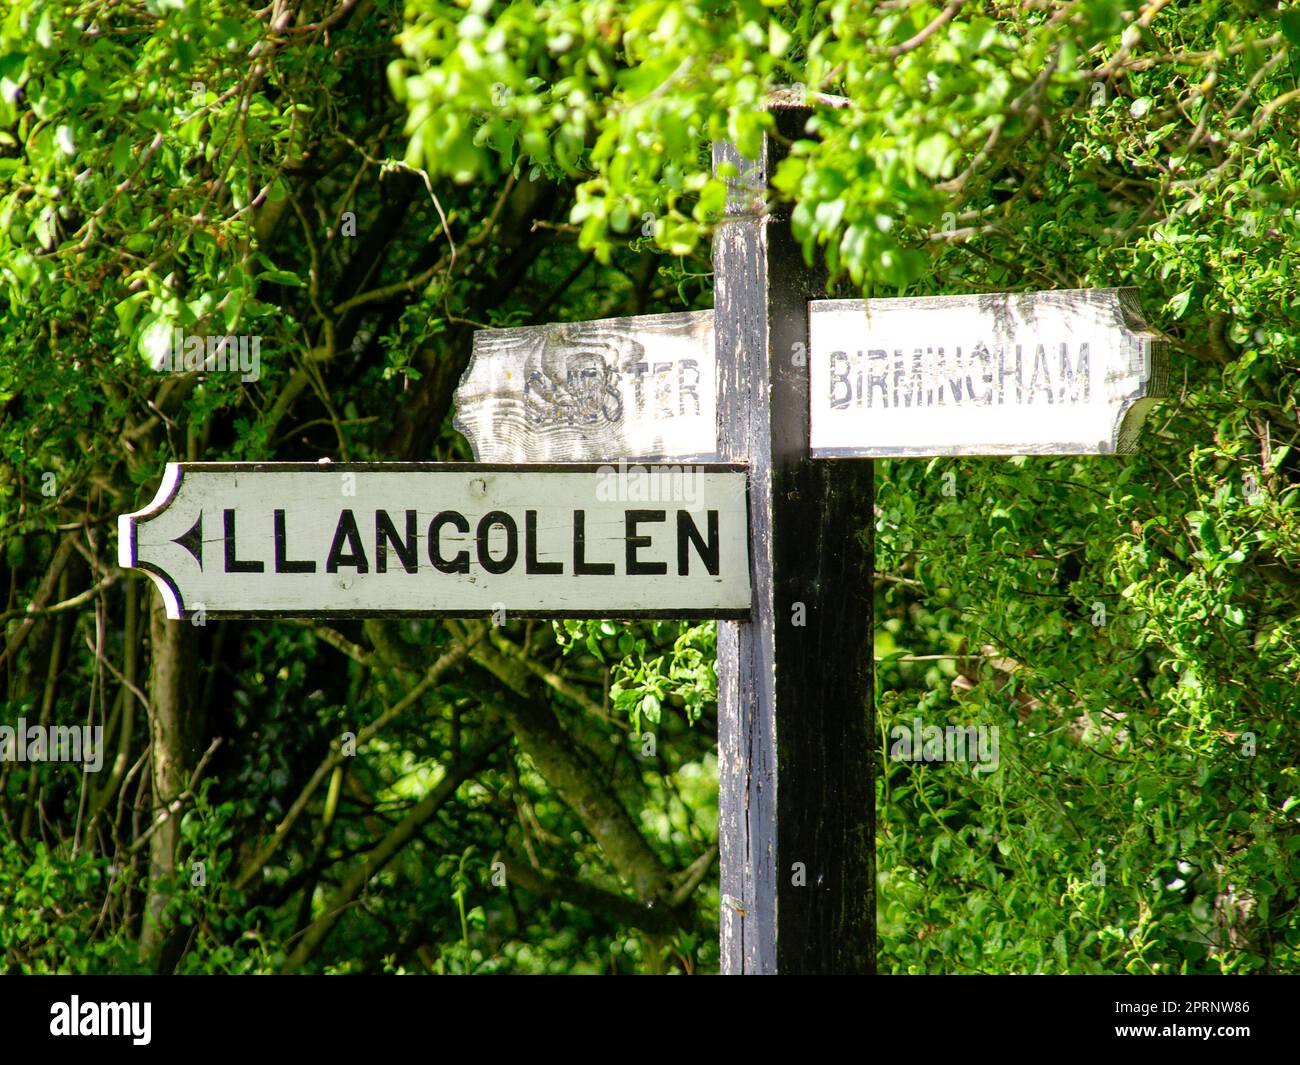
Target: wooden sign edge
[(1153, 385), (1135, 406), (128, 555), (174, 473)]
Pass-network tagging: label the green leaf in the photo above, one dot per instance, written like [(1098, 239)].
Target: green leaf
[(281, 277), (935, 155), (1291, 25)]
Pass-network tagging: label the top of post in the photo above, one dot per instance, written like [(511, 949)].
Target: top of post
[(797, 97)]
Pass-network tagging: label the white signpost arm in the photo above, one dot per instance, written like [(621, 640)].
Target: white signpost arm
[(1063, 372), (297, 539)]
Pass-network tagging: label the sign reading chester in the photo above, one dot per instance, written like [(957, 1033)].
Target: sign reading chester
[(633, 388), (1062, 372), (301, 539)]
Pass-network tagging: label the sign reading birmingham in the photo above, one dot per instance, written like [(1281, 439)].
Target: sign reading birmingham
[(1062, 372)]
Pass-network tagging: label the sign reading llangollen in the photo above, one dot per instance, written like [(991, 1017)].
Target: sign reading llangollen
[(459, 540), (1064, 372)]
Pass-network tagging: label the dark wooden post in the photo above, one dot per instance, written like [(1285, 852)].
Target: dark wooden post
[(795, 732)]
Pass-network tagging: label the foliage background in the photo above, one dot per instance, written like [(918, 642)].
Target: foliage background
[(1129, 625)]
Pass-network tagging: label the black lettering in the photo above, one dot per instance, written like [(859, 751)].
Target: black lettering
[(954, 383), (840, 376), (579, 391), (386, 533), (1042, 376), (688, 388), (638, 370), (347, 531), (687, 534), (986, 378), (536, 402), (1003, 374), (664, 389), (933, 374), (233, 564), (632, 519), (915, 382), (506, 561), (613, 406), (580, 564), (878, 380), (1077, 379), (283, 564), (531, 564), (459, 564)]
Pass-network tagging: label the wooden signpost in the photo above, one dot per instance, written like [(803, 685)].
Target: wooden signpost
[(796, 744), (775, 540)]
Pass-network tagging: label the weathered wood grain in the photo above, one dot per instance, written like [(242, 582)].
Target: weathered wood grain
[(460, 540), (796, 746), (620, 388), (1061, 372)]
